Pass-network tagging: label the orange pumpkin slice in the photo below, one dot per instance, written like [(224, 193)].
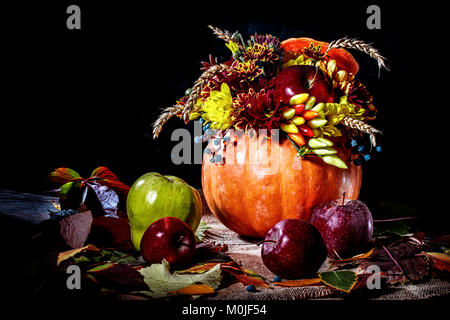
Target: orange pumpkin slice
[(344, 59)]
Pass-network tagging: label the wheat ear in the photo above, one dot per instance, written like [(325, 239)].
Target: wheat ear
[(360, 45), (221, 34), (361, 126), (185, 109)]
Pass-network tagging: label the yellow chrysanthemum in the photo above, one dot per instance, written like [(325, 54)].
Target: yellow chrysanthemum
[(233, 46), (217, 108)]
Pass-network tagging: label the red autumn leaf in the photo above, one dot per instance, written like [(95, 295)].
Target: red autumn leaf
[(63, 175), (109, 179), (70, 253), (357, 257), (111, 232), (117, 275), (194, 289), (441, 261), (239, 273), (200, 268), (299, 283)]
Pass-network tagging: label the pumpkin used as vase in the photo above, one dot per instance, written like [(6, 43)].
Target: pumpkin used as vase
[(250, 196)]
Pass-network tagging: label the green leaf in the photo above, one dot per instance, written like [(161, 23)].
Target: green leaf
[(162, 283), (394, 228), (201, 229), (342, 280)]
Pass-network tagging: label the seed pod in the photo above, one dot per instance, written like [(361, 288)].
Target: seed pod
[(310, 114), (298, 99), (306, 131), (298, 120), (297, 138), (316, 143), (299, 108), (317, 123), (326, 141), (341, 75), (331, 67), (318, 107), (289, 127), (334, 160), (310, 102), (324, 151), (288, 113)]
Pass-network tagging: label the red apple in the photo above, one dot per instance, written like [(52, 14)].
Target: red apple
[(293, 248), (303, 79), (346, 226), (168, 238)]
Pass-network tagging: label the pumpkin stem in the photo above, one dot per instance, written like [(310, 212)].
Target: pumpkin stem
[(264, 241)]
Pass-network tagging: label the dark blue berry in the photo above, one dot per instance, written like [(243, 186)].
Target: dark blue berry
[(378, 149), (360, 148), (216, 142), (277, 279), (206, 126), (357, 162), (207, 150), (353, 143), (251, 288), (367, 157), (202, 121)]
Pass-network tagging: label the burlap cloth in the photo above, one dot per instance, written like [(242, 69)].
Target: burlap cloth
[(246, 252)]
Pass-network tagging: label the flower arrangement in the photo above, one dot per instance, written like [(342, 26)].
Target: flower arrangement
[(306, 88)]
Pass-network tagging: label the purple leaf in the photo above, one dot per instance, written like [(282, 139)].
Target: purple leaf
[(75, 229), (107, 197)]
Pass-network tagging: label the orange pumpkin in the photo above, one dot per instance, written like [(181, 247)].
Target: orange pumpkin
[(344, 59), (261, 183)]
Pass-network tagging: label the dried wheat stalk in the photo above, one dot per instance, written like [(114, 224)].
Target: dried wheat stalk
[(185, 109), (221, 34), (353, 123), (360, 45), (168, 113)]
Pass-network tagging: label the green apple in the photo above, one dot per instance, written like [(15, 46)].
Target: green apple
[(154, 196)]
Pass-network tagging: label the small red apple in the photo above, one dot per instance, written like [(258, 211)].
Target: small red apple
[(303, 79), (345, 225), (168, 238), (293, 248)]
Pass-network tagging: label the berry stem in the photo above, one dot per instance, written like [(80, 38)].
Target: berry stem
[(343, 197)]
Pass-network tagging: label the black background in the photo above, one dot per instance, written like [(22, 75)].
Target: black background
[(85, 98)]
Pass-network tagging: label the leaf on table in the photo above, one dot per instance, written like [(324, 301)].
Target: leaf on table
[(441, 261), (400, 262), (70, 253), (195, 289), (161, 282), (63, 175), (111, 232), (299, 283), (201, 230), (245, 276), (75, 228), (200, 268), (342, 280), (394, 228), (209, 251), (118, 276), (108, 198), (357, 257)]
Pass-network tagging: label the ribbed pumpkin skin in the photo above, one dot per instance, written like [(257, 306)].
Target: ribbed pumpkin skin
[(250, 198)]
